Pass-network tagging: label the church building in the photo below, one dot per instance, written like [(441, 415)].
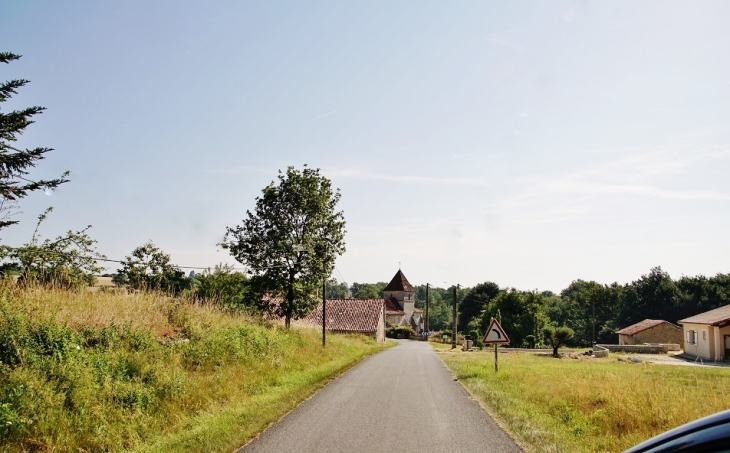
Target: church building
[(400, 302)]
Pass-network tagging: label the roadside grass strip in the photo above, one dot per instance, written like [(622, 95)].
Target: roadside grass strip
[(83, 371), (234, 424), (587, 405)]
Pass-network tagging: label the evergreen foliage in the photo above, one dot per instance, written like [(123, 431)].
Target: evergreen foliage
[(15, 162)]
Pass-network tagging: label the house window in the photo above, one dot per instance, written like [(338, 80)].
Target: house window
[(691, 337), (704, 335)]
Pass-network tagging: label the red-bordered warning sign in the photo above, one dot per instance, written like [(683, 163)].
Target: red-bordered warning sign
[(495, 334)]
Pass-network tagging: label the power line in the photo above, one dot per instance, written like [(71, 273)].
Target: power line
[(341, 277), (244, 269), (181, 267)]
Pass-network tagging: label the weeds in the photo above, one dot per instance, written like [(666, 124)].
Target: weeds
[(112, 372)]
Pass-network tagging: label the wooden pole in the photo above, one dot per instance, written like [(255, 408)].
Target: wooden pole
[(593, 309), (324, 311), (427, 326), (453, 311)]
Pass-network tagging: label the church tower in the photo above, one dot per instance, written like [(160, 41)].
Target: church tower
[(402, 292)]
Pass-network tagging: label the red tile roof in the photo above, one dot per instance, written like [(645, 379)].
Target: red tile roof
[(713, 317), (391, 303), (348, 315), (399, 283), (642, 326)]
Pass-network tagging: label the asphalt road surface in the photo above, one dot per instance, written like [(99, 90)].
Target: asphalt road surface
[(402, 399)]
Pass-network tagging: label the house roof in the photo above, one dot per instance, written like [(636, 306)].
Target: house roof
[(391, 303), (348, 315), (713, 317), (642, 326), (399, 283)]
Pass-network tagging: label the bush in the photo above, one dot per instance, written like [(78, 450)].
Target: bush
[(67, 262), (225, 286), (400, 332)]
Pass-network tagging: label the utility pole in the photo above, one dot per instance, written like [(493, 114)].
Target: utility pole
[(427, 327), (453, 312), (324, 311), (593, 307)]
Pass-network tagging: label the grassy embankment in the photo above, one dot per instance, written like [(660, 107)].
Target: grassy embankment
[(596, 405), (145, 372)]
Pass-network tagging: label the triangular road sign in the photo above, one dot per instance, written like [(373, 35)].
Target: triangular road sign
[(495, 334)]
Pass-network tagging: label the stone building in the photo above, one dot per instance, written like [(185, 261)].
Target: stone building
[(400, 302), (650, 331), (363, 316)]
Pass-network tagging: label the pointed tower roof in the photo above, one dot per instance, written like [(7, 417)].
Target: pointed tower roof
[(399, 283)]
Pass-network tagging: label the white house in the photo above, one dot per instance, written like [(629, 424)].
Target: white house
[(707, 335)]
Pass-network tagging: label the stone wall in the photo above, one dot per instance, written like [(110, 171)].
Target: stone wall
[(663, 333), (641, 348)]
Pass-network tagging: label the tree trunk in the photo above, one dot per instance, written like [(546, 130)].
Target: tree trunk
[(289, 301)]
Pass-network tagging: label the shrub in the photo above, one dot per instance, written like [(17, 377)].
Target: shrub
[(400, 332)]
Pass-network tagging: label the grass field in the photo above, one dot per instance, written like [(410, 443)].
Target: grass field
[(593, 405), (83, 371)]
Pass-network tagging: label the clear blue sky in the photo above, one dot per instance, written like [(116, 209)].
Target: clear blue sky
[(527, 143)]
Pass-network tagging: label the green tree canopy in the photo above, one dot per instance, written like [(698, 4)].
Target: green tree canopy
[(68, 261), (149, 268), (367, 290), (15, 162), (290, 241), (475, 300), (557, 336), (225, 286), (337, 290), (522, 314)]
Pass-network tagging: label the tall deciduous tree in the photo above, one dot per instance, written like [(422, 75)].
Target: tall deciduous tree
[(475, 300), (14, 161), (290, 241)]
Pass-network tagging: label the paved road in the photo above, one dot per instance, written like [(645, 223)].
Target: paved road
[(402, 399)]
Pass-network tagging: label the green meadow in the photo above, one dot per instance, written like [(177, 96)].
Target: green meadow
[(587, 405)]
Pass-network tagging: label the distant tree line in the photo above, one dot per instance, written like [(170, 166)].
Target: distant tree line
[(589, 308)]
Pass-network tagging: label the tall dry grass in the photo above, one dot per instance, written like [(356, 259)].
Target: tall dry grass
[(82, 371), (160, 314), (599, 405)]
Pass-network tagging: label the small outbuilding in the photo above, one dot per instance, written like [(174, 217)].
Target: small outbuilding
[(650, 331), (707, 334)]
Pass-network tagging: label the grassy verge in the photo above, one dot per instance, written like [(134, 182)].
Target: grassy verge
[(116, 372), (596, 405)]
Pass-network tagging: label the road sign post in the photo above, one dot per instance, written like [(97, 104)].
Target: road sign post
[(496, 357), (495, 335)]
